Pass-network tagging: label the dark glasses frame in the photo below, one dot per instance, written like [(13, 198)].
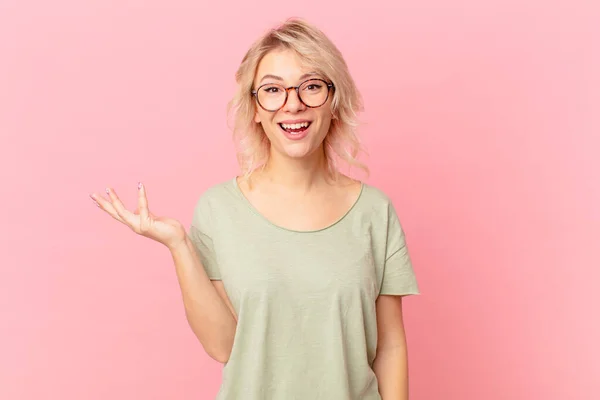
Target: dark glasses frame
[(287, 91)]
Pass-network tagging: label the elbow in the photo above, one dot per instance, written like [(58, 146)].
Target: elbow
[(216, 341), (219, 348), (220, 355)]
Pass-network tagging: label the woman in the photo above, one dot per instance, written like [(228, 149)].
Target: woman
[(292, 274)]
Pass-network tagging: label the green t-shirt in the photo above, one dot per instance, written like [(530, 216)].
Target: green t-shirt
[(305, 301)]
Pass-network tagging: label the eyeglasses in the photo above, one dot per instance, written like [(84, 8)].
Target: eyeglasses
[(312, 93)]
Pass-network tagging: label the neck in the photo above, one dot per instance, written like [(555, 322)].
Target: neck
[(302, 174)]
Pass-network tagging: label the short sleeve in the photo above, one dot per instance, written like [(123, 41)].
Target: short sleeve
[(201, 238), (398, 274)]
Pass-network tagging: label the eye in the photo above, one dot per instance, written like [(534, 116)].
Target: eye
[(271, 89)]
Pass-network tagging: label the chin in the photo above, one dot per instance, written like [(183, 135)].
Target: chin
[(298, 152), (303, 148)]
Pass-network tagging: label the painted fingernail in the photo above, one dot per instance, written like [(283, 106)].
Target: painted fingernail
[(139, 185), (94, 200), (107, 191)]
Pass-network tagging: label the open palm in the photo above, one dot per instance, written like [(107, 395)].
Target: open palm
[(165, 230)]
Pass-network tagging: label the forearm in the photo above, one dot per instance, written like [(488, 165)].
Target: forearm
[(208, 315), (391, 369)]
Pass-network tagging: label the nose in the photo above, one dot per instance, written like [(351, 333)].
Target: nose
[(293, 103)]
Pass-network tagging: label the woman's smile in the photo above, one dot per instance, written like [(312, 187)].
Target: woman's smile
[(295, 129)]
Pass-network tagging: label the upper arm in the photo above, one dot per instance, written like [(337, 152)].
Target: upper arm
[(398, 276), (218, 285), (390, 323)]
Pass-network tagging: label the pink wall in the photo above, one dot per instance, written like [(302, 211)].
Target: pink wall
[(482, 124)]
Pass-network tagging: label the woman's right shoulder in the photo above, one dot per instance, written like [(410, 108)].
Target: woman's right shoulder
[(221, 193)]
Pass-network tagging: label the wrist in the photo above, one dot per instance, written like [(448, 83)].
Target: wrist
[(178, 245)]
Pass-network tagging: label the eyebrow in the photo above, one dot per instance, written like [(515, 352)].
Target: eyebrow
[(278, 78)]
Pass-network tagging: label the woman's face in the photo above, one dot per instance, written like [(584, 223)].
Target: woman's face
[(284, 68)]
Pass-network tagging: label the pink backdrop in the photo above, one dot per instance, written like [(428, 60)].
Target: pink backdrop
[(482, 124)]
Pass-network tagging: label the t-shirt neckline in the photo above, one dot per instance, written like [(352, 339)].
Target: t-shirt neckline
[(269, 222)]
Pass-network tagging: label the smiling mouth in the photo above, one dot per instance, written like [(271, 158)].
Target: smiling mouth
[(295, 128)]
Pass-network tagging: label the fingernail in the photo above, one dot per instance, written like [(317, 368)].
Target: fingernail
[(139, 185), (107, 191), (92, 197)]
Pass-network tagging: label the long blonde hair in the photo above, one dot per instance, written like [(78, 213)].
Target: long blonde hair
[(317, 51)]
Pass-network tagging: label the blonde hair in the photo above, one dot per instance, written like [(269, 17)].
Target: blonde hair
[(318, 52)]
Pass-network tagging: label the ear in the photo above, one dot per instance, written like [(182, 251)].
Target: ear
[(256, 117)]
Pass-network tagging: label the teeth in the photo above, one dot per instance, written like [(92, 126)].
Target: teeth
[(295, 126)]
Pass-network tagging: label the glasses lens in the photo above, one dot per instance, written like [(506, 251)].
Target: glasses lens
[(271, 97), (314, 92)]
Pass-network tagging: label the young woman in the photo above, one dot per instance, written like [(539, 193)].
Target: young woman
[(292, 273)]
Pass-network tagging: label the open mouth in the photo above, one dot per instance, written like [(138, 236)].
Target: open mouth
[(295, 129)]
